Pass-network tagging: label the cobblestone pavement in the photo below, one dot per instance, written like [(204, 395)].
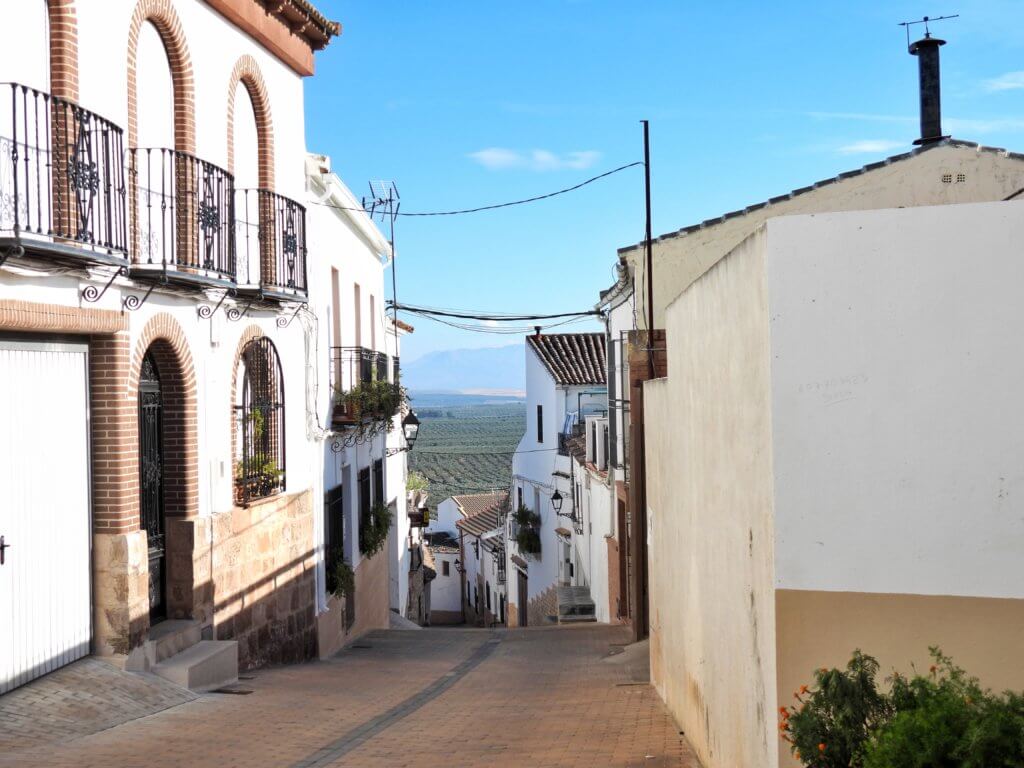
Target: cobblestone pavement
[(82, 698), (439, 698)]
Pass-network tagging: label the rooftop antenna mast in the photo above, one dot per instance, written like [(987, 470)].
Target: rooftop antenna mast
[(384, 202), (925, 20)]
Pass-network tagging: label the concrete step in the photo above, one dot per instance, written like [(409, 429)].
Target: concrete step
[(206, 665), (169, 638), (575, 603), (576, 619)]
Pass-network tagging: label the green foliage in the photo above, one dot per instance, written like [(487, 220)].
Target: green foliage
[(416, 482), (341, 579), (527, 530), (940, 720), (946, 720), (373, 530), (375, 401), (832, 724)]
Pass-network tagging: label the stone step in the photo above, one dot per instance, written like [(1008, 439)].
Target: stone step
[(575, 602), (169, 638), (207, 665), (576, 619)]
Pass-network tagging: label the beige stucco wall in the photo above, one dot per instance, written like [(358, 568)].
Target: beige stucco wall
[(709, 486), (679, 259)]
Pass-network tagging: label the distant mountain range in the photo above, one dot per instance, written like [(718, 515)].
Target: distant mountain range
[(484, 371)]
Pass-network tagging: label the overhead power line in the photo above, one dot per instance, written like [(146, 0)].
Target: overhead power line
[(495, 206), (496, 316)]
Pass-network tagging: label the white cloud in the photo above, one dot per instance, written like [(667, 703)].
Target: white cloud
[(1011, 81), (870, 146), (501, 158)]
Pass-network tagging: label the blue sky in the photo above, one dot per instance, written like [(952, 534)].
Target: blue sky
[(471, 103)]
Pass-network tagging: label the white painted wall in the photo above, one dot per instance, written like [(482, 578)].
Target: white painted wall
[(448, 513), (710, 529), (896, 381), (25, 46), (446, 591)]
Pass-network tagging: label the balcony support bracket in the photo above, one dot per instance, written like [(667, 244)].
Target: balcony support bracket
[(285, 322), (234, 315), (204, 311), (92, 294), (14, 250), (132, 302)]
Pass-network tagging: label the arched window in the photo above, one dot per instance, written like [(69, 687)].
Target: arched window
[(259, 422)]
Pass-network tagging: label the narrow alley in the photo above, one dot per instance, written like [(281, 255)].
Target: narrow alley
[(565, 696)]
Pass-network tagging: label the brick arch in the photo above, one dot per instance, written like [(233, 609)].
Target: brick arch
[(173, 358), (247, 72), (63, 22), (161, 14)]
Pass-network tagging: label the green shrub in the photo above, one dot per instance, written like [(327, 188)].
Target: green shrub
[(527, 530), (341, 579), (416, 482), (831, 725), (940, 720), (946, 720), (373, 530), (375, 401)]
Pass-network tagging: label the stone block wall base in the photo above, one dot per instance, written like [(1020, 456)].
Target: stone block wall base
[(541, 607), (120, 584), (263, 569)]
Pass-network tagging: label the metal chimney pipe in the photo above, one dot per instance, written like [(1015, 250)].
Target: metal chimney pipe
[(927, 51)]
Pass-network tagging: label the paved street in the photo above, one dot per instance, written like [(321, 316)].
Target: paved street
[(437, 697)]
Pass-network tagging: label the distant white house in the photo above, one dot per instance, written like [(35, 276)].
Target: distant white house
[(566, 378), (482, 558)]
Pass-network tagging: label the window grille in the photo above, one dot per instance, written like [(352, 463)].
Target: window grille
[(259, 423)]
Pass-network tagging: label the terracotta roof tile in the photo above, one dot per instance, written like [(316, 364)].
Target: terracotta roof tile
[(488, 508), (572, 358)]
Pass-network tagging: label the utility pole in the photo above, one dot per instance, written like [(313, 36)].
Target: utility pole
[(649, 268)]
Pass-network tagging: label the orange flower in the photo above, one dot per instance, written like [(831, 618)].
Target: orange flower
[(933, 669), (784, 711), (797, 754), (823, 670), (821, 747), (803, 689)]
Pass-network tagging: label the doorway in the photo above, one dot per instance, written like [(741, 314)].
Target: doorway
[(151, 483), (522, 597)]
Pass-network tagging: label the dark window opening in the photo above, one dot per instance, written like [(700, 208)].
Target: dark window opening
[(540, 423), (259, 423), (445, 568), (364, 498), (378, 482)]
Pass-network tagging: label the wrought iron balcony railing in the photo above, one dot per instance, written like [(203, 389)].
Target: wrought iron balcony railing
[(181, 213), (270, 236), (62, 180)]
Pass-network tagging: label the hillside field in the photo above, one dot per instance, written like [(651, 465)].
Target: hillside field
[(466, 448)]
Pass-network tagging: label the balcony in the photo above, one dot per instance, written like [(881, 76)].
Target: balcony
[(270, 237), (181, 213), (351, 367), (62, 180)]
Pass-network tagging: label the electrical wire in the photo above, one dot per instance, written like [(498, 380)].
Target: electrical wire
[(496, 205), (492, 316)]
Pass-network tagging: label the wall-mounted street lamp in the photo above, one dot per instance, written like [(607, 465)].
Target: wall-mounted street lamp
[(556, 502), (459, 567), (410, 430), (476, 548)]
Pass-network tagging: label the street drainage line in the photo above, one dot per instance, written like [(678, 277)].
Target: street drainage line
[(357, 736)]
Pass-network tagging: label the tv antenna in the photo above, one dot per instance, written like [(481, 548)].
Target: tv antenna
[(926, 20), (384, 201)]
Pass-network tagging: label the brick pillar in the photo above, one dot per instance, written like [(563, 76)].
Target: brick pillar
[(120, 550), (647, 360)]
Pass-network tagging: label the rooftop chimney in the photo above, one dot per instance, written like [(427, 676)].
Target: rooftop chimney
[(927, 51)]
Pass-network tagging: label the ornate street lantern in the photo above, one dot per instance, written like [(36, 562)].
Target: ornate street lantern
[(556, 502)]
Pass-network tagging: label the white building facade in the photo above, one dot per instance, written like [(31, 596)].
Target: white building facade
[(565, 381), (153, 271)]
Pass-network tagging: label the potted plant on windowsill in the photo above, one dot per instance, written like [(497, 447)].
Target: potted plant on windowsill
[(373, 401)]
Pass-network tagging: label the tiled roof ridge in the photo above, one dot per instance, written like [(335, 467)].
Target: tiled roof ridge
[(824, 183), (572, 358)]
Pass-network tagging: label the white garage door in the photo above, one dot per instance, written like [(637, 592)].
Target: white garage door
[(45, 611)]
